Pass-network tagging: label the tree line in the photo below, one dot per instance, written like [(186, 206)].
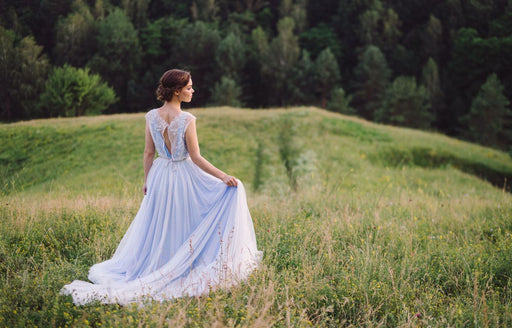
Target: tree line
[(443, 64)]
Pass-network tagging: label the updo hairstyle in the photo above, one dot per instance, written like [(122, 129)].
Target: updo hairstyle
[(171, 81)]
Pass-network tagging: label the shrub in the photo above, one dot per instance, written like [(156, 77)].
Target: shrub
[(73, 91)]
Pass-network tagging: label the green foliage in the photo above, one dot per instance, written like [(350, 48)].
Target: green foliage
[(278, 60), (296, 10), (380, 26), (204, 10), (137, 10), (406, 104), (431, 82), (158, 40), (75, 36), (502, 26), (340, 102), (260, 44), (151, 39), (305, 80), (327, 74), (118, 57), (260, 41), (198, 56), (226, 92), (432, 38), (373, 76), (231, 56), (475, 58), (23, 70), (318, 38), (486, 121), (73, 91)]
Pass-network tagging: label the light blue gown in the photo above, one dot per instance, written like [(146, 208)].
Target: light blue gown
[(192, 233)]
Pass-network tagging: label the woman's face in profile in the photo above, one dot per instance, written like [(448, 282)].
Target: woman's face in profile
[(187, 92)]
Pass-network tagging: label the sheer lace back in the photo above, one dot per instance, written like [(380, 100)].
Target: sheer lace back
[(169, 138), (169, 131)]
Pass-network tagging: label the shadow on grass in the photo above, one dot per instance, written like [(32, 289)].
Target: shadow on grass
[(425, 157)]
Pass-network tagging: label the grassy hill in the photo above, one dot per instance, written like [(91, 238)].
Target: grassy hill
[(361, 224)]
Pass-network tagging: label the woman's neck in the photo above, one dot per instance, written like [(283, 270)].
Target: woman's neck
[(174, 105)]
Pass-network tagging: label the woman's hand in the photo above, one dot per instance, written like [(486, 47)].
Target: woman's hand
[(145, 188), (230, 180)]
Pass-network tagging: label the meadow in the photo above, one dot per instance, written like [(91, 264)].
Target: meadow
[(361, 225)]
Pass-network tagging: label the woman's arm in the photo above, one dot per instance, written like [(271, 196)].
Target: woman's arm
[(149, 155), (195, 155)]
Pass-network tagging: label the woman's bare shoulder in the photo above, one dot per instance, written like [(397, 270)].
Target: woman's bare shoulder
[(189, 116)]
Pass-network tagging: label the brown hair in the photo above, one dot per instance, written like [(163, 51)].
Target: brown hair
[(170, 82)]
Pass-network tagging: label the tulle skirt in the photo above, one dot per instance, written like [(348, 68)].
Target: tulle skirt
[(192, 234)]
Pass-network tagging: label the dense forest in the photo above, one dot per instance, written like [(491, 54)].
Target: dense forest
[(444, 65)]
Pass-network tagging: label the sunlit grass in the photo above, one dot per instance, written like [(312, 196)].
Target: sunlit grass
[(363, 241)]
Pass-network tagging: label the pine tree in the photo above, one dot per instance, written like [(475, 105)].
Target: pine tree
[(380, 26), (278, 62), (304, 81), (226, 92), (75, 41), (205, 10), (23, 70), (230, 56), (327, 74), (372, 74), (340, 102), (489, 111), (431, 82), (433, 37), (295, 9), (405, 104), (137, 11)]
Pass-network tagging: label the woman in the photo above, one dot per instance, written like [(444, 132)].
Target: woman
[(193, 232)]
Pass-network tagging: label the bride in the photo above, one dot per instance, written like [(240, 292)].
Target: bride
[(193, 232)]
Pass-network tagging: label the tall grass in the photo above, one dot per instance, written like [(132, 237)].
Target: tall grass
[(365, 240)]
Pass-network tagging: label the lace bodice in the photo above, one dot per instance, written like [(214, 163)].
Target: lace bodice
[(175, 132)]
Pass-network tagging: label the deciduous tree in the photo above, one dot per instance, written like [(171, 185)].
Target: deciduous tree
[(194, 49), (73, 91), (118, 57)]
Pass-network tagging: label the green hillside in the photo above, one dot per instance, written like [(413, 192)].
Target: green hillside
[(361, 224)]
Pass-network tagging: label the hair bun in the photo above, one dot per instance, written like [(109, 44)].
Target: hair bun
[(163, 93), (171, 81)]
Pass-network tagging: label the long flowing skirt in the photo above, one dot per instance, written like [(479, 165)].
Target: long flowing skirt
[(192, 234)]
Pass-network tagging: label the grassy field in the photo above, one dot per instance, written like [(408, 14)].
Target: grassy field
[(362, 225)]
